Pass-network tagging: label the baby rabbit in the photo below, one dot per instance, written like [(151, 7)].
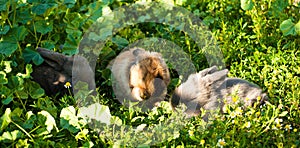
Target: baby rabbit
[(204, 89), (140, 75), (58, 69)]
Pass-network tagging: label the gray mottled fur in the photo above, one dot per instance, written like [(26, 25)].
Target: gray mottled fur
[(207, 89)]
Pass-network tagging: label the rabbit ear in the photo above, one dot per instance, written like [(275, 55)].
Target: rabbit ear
[(53, 59), (216, 76), (207, 71), (137, 51)]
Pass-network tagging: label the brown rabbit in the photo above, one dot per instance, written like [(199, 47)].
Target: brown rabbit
[(204, 89), (140, 75), (58, 69)]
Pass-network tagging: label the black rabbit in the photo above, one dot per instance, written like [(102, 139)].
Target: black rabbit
[(59, 72)]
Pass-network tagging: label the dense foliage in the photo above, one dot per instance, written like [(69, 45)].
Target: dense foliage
[(259, 40)]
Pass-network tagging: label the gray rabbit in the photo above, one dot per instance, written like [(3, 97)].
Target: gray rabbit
[(209, 88)]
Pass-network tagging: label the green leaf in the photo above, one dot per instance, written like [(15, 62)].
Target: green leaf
[(43, 26), (20, 33), (28, 70), (284, 113), (14, 82), (95, 10), (31, 55), (116, 120), (7, 66), (47, 105), (105, 33), (24, 16), (30, 120), (97, 112), (7, 100), (11, 136), (208, 20), (93, 36), (48, 44), (121, 42), (23, 94), (69, 120), (4, 90), (40, 8), (246, 4), (297, 28), (4, 29), (35, 91), (3, 79), (288, 27), (8, 48), (3, 5), (69, 3), (46, 119), (16, 114), (5, 119)]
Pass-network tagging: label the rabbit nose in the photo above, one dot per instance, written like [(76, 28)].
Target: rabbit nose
[(159, 77)]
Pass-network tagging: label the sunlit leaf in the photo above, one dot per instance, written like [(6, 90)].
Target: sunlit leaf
[(69, 120), (11, 136), (5, 119), (7, 65), (297, 28), (48, 121), (28, 70), (288, 27), (284, 113), (97, 112), (3, 79), (246, 4)]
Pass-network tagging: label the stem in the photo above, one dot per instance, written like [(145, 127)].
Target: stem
[(15, 12), (39, 41), (22, 129), (34, 129), (7, 14), (20, 100), (34, 29)]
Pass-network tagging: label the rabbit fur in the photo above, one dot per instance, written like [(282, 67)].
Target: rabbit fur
[(205, 89), (140, 76), (57, 69)]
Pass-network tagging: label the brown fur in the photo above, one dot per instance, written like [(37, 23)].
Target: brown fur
[(140, 75)]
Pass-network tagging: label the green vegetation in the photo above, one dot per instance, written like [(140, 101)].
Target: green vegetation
[(259, 40)]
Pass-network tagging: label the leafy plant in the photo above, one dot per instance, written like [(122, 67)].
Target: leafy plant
[(259, 41)]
